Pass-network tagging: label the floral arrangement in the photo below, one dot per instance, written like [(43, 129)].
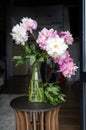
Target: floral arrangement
[(49, 46)]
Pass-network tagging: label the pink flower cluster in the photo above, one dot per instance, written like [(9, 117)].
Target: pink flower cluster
[(55, 44), (20, 31), (44, 34), (66, 64), (67, 67)]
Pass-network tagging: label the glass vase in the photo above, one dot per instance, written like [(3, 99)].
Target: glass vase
[(36, 93)]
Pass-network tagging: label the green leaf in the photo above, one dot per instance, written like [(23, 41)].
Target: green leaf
[(32, 47), (27, 56), (32, 60), (50, 99), (18, 60), (41, 59), (46, 92), (27, 49)]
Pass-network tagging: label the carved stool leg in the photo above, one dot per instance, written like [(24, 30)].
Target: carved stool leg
[(34, 120), (51, 120), (17, 120), (22, 120), (28, 122), (21, 117), (42, 121), (47, 120), (57, 121)]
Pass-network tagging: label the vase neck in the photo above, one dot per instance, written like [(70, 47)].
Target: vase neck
[(36, 74)]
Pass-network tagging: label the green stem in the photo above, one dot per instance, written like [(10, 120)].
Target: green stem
[(33, 36), (31, 89), (39, 92)]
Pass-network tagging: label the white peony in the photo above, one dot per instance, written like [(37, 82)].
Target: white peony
[(19, 34), (56, 47)]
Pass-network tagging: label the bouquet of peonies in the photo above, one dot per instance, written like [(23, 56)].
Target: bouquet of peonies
[(49, 46)]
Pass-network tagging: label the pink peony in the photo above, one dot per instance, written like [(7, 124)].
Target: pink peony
[(63, 60), (44, 34), (19, 34), (28, 24), (67, 37), (68, 69), (66, 65)]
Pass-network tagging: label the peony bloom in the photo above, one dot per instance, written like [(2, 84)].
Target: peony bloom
[(66, 65), (64, 59), (19, 34), (67, 37), (56, 47), (44, 34), (68, 69), (28, 24)]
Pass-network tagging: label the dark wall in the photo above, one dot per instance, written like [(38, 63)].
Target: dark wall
[(74, 16)]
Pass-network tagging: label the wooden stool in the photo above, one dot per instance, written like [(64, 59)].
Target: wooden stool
[(34, 116)]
